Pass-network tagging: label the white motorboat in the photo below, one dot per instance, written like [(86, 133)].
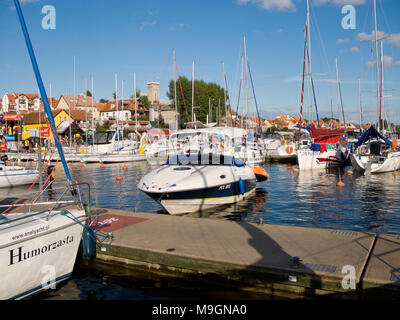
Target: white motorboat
[(279, 148), (11, 176), (375, 154), (193, 183)]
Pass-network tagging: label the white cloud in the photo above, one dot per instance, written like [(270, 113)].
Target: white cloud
[(280, 5), (391, 38), (388, 62), (371, 37), (338, 2), (147, 24), (340, 41), (177, 25), (279, 30), (355, 49)]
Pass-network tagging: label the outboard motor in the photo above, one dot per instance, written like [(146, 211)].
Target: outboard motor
[(4, 158)]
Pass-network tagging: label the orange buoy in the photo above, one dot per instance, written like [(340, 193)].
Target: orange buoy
[(119, 178), (260, 173), (289, 149), (394, 143), (81, 164), (124, 167), (340, 184), (101, 166)]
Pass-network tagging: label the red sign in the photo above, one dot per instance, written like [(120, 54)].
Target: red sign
[(3, 146), (11, 117), (45, 132), (112, 222)]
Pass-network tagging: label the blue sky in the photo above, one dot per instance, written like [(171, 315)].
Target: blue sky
[(126, 36)]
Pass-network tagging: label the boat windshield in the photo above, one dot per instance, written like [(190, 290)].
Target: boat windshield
[(103, 137), (205, 159)]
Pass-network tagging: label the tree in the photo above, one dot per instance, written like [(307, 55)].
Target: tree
[(145, 101), (103, 100), (203, 93), (88, 93)]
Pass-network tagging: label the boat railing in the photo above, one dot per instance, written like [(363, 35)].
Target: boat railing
[(62, 195)]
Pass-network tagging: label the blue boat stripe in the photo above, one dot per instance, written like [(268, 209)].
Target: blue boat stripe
[(220, 191), (31, 291)]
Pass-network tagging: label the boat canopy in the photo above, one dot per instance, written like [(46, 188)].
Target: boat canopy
[(322, 135), (371, 133), (204, 159)]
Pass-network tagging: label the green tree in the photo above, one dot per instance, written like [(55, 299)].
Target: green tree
[(145, 101), (202, 93), (103, 128), (88, 93)]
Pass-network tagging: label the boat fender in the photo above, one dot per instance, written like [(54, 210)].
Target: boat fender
[(241, 186), (88, 242), (221, 147)]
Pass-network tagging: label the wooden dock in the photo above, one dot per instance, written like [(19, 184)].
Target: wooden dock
[(277, 260)]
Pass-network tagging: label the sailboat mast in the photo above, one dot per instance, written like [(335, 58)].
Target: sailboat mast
[(247, 82), (134, 90), (377, 69), (85, 95), (42, 90), (192, 92), (340, 102), (122, 102), (359, 99), (73, 101), (309, 57), (92, 113), (242, 86), (176, 102), (116, 104), (382, 94), (226, 115)]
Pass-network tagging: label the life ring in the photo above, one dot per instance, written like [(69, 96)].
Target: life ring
[(289, 150), (144, 140), (221, 146)]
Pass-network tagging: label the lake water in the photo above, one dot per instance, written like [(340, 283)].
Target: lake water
[(365, 203)]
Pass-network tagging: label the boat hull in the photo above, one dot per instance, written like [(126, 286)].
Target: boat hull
[(388, 164), (17, 176), (204, 199), (37, 251), (189, 188), (316, 160)]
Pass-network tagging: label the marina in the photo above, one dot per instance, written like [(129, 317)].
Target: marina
[(142, 197)]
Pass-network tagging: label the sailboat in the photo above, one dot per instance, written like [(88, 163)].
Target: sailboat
[(322, 152), (38, 249), (374, 152)]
